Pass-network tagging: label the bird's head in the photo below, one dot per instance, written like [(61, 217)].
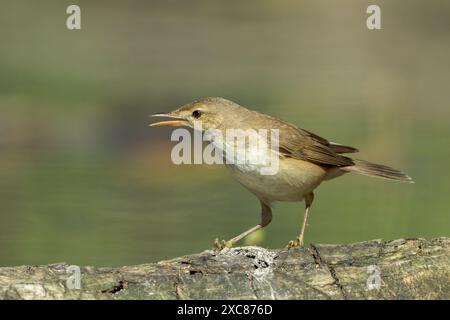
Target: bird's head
[(209, 113)]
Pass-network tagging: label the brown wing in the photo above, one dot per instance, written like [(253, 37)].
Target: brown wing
[(339, 148), (304, 145), (336, 147)]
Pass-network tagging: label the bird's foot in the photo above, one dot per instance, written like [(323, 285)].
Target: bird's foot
[(219, 245), (295, 243)]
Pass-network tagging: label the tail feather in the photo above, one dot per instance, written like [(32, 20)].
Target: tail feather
[(378, 170)]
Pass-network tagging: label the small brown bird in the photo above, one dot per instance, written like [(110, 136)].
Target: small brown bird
[(305, 159)]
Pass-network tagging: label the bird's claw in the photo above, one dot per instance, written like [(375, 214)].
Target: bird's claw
[(219, 245), (295, 243)]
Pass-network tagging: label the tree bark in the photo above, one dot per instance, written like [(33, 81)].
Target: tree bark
[(399, 269)]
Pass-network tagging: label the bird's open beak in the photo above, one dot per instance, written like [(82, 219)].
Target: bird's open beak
[(177, 122)]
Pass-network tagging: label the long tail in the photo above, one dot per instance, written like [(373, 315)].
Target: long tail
[(377, 170)]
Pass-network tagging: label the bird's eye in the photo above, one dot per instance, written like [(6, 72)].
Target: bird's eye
[(196, 114)]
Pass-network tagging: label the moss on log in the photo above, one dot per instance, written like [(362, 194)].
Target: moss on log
[(399, 269)]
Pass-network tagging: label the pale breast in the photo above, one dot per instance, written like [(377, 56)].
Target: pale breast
[(294, 179)]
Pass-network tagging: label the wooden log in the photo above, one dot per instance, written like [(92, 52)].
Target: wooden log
[(399, 269)]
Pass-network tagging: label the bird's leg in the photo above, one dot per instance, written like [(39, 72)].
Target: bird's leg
[(266, 218), (299, 241)]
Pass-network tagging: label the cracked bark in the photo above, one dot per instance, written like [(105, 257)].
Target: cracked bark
[(320, 261), (409, 269)]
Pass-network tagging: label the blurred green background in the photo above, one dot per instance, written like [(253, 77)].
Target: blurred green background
[(83, 179)]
